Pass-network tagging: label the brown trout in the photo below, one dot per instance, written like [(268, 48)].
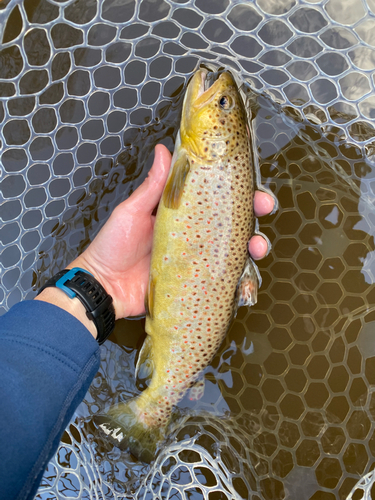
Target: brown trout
[(200, 267)]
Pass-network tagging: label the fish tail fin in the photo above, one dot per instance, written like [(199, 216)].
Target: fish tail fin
[(123, 426)]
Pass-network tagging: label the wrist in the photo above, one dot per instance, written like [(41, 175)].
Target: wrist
[(81, 288), (86, 264), (74, 307)]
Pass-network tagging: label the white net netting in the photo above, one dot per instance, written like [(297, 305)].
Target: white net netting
[(87, 88)]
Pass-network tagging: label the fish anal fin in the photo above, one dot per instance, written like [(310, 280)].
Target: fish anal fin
[(247, 288), (176, 182), (145, 364)]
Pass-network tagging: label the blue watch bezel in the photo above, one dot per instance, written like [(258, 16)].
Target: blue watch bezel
[(67, 277)]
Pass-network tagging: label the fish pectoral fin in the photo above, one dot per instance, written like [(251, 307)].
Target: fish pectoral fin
[(196, 391), (145, 364), (176, 182), (247, 288), (149, 297)]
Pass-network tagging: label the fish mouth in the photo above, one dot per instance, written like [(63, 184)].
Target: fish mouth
[(205, 85), (207, 79), (201, 90)]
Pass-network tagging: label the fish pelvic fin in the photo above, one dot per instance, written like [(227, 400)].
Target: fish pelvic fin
[(145, 364), (247, 288), (174, 187), (123, 427)]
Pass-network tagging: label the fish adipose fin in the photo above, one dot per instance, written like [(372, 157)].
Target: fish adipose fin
[(145, 365), (176, 182), (247, 288), (123, 427), (197, 390)]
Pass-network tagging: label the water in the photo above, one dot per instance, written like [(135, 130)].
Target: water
[(291, 380), (288, 407)]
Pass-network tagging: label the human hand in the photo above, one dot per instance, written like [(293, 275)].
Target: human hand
[(119, 257)]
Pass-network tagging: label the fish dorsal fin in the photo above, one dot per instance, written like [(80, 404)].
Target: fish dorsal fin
[(149, 297), (145, 364), (176, 182), (248, 284)]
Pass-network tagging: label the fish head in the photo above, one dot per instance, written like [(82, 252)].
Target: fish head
[(213, 123)]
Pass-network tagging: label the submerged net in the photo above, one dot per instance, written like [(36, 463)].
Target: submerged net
[(87, 88)]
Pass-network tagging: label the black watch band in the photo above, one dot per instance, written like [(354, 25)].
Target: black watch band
[(79, 283)]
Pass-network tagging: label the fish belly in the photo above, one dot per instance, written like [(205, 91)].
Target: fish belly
[(200, 250)]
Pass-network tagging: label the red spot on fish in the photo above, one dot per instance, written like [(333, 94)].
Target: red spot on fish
[(187, 239), (176, 328)]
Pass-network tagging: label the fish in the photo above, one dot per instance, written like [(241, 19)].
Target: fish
[(200, 271)]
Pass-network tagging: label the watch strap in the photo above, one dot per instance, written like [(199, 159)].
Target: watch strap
[(81, 284)]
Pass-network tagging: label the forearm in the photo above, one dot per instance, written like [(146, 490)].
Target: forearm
[(47, 362)]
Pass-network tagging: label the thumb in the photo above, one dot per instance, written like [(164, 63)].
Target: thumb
[(148, 194)]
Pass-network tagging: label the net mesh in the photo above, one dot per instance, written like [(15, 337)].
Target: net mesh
[(87, 88)]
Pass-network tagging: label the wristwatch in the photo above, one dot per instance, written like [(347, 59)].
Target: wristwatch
[(79, 283)]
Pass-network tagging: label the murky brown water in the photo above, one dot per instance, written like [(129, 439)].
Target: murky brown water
[(288, 398)]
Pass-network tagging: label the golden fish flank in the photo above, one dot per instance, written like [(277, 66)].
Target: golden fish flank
[(200, 268)]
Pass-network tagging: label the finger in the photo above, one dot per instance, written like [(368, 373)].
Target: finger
[(264, 203), (258, 247), (147, 196)]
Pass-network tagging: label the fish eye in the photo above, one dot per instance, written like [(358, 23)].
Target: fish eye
[(226, 102)]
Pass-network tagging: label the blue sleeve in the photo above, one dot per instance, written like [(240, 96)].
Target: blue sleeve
[(47, 362)]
